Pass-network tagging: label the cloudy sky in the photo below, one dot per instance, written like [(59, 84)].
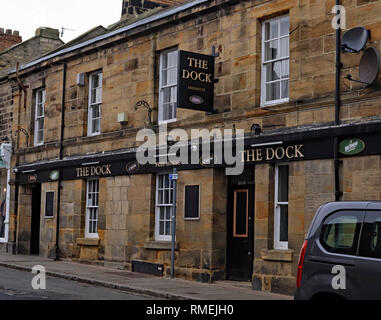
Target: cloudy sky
[(79, 15)]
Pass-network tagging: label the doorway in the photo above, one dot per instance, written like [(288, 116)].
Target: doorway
[(36, 217), (240, 226)]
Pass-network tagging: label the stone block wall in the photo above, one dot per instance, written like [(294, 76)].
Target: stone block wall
[(361, 178), (130, 74), (311, 183)]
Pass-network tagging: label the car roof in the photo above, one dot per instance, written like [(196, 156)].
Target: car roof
[(330, 207)]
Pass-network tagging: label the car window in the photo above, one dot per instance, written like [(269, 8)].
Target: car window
[(370, 243), (340, 232)]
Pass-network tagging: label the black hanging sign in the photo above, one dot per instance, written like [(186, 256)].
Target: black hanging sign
[(195, 82)]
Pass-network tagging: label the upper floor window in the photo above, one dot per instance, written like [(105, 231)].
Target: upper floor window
[(168, 86), (275, 60), (39, 117), (95, 103)]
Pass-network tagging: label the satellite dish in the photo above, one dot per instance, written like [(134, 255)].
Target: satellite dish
[(369, 66), (355, 39)]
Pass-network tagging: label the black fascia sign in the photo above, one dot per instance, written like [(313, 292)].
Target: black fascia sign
[(195, 81)]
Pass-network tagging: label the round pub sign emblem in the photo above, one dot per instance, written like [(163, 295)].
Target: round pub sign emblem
[(54, 175), (350, 147)]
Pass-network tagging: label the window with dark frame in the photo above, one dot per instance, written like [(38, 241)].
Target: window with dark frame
[(192, 203), (49, 204), (241, 214)]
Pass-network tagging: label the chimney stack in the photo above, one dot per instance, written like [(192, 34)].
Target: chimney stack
[(8, 38)]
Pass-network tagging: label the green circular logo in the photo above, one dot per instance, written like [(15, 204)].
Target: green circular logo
[(54, 175), (351, 147)]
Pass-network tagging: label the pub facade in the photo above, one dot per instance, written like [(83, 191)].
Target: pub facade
[(263, 67)]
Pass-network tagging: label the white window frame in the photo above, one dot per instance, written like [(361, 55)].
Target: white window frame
[(5, 154), (7, 202), (95, 206), (90, 117), (265, 103), (38, 117), (158, 236), (280, 245), (162, 87)]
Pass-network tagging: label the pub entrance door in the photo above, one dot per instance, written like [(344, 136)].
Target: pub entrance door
[(240, 226)]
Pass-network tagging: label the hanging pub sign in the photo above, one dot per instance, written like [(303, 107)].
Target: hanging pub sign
[(196, 81)]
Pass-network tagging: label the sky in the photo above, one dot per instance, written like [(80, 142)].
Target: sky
[(79, 15)]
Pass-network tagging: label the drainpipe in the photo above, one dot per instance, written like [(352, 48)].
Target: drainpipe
[(61, 157), (338, 193), (16, 208)]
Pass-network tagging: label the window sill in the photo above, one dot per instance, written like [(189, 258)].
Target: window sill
[(88, 242), (275, 103), (160, 122), (277, 255), (160, 245)]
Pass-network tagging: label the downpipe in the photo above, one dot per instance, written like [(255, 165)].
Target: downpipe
[(337, 161), (58, 251)]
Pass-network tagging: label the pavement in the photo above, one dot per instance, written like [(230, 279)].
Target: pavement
[(159, 287)]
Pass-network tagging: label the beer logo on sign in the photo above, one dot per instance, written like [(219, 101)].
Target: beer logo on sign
[(54, 175), (196, 99), (132, 167), (209, 160), (351, 147)]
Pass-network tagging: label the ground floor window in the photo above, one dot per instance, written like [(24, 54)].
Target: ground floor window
[(164, 207), (92, 208), (281, 207)]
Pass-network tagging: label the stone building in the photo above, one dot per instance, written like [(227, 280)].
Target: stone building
[(81, 194), (14, 51)]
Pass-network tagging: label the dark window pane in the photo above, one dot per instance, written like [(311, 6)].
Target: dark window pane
[(283, 184), (241, 214), (192, 194), (49, 204), (283, 232), (370, 244)]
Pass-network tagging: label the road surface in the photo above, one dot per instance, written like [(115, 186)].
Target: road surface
[(17, 285)]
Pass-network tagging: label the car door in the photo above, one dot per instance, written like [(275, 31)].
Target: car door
[(332, 264), (369, 257)]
